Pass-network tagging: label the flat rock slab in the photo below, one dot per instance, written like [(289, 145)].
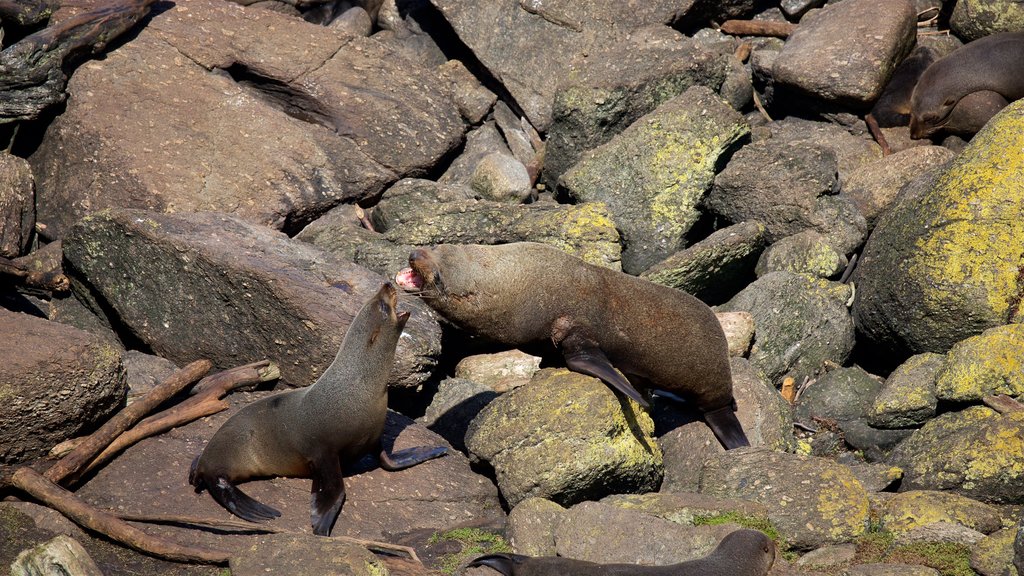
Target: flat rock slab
[(846, 52), (214, 106), (151, 478), (305, 554), (57, 382), (211, 286)]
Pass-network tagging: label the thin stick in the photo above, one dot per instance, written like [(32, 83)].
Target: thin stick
[(757, 28), (1002, 403), (69, 467), (254, 527), (760, 107), (88, 516)]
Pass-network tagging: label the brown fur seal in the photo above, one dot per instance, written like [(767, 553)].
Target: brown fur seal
[(740, 553), (994, 63), (601, 320), (314, 432)]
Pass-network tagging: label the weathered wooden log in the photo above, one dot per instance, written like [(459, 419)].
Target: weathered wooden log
[(758, 28), (32, 70)]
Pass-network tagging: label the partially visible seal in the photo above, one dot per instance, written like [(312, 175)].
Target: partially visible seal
[(314, 432), (740, 553), (994, 64), (602, 321)]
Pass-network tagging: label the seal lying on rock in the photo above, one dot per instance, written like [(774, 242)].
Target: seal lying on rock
[(314, 432), (991, 64), (741, 553), (601, 320)]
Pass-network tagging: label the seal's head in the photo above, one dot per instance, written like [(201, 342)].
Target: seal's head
[(423, 275), (749, 544), (929, 111)]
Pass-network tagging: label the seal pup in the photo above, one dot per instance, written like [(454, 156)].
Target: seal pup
[(314, 432), (994, 63), (602, 321), (740, 553)]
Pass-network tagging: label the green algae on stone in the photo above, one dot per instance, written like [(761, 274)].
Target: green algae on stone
[(566, 437), (972, 19), (473, 542), (990, 363), (915, 508), (993, 554), (976, 452), (654, 174), (907, 398), (807, 252)]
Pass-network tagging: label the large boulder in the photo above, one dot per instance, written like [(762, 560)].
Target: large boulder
[(979, 18), (209, 285), (989, 363), (918, 508), (908, 396), (17, 206), (295, 119), (57, 382), (654, 174), (943, 263), (566, 437)]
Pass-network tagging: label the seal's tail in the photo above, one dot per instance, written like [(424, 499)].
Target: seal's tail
[(503, 563), (726, 426)]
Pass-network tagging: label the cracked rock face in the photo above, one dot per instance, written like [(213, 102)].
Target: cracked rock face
[(214, 106)]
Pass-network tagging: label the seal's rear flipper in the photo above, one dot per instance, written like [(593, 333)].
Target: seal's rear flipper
[(328, 495), (239, 503), (402, 459), (504, 563), (726, 426), (590, 360)]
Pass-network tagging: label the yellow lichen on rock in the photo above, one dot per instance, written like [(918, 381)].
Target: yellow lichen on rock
[(990, 363)]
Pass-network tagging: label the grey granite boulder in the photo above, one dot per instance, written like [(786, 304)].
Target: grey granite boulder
[(305, 554), (978, 18), (807, 252), (802, 323), (61, 555), (500, 177), (473, 98), (846, 52), (938, 267), (812, 501), (566, 437), (481, 141), (874, 186), (852, 150), (976, 452), (840, 394), (209, 285), (531, 526), (717, 267), (653, 175), (58, 382), (270, 118), (17, 206), (501, 371)]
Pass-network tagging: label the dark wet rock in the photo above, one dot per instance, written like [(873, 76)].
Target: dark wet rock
[(305, 554), (807, 252), (58, 382), (812, 501), (61, 555), (616, 85), (979, 18), (874, 186), (840, 394), (871, 441), (795, 9), (653, 175), (151, 477), (976, 452), (717, 267), (473, 98), (846, 52), (17, 206), (209, 285), (151, 127), (531, 526), (526, 435), (802, 323), (454, 406), (936, 269), (993, 554), (989, 363), (500, 372), (606, 533), (788, 187), (765, 416)]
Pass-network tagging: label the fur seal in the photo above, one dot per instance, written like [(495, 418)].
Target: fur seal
[(740, 553), (314, 432), (992, 63), (601, 320)]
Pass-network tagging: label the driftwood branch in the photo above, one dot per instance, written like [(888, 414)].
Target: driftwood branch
[(204, 403), (32, 70), (757, 28), (69, 468), (49, 280), (1002, 403), (88, 516), (372, 545)]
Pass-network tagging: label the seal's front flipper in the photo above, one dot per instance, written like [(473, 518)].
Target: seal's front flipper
[(239, 503), (590, 360), (504, 563), (726, 426), (328, 495), (401, 459)]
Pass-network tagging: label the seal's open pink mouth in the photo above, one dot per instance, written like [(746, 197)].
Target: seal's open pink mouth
[(408, 279)]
